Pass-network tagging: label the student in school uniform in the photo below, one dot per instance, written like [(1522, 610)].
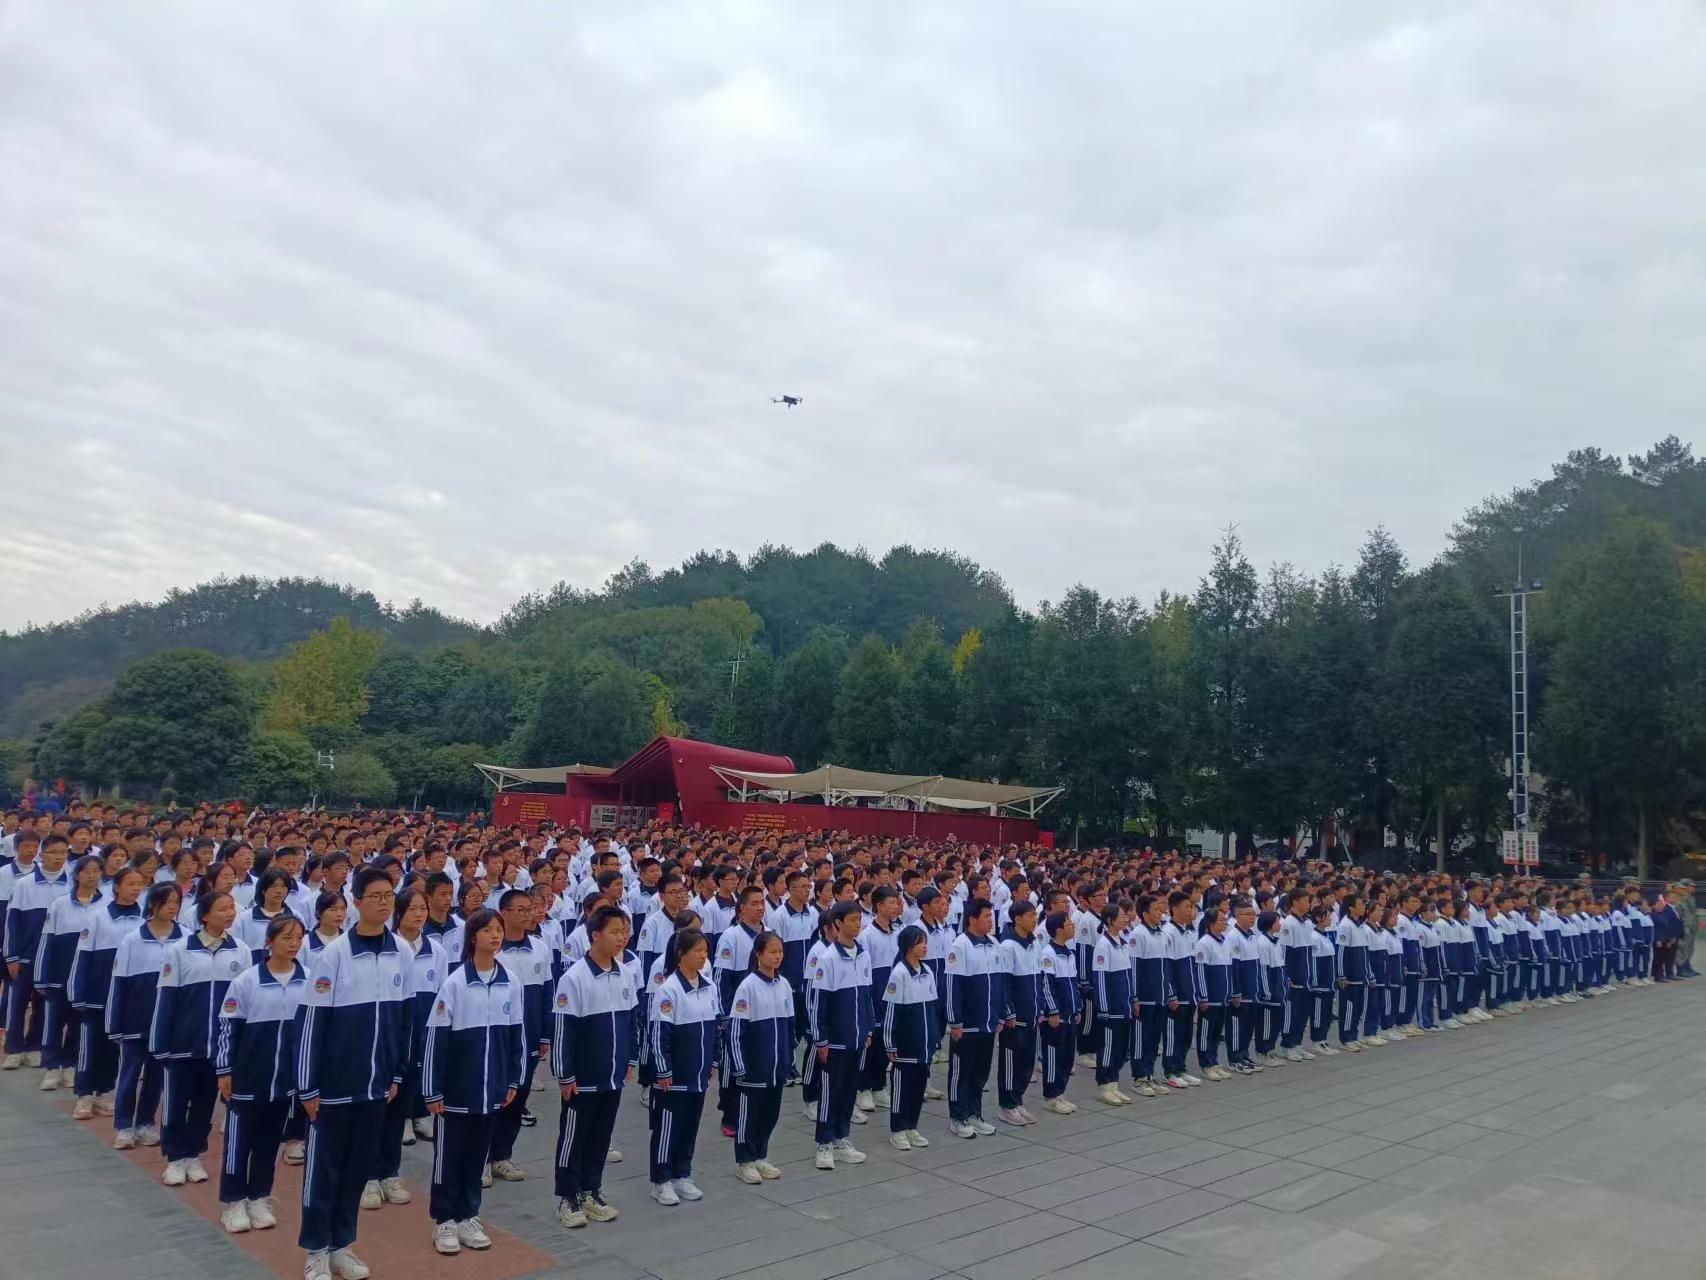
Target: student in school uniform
[(69, 917), (684, 1049), (1323, 979), (761, 1051), (1016, 1043), (1393, 946), (795, 922), (272, 895), (1086, 927), (731, 968), (976, 1002), (1297, 945), (1058, 1033), (811, 1075), (1271, 1008), (425, 969), (34, 890), (1350, 939), (330, 912), (878, 939), (593, 1049), (1148, 945), (254, 1063), (131, 997), (842, 1017), (473, 1067), (1180, 937), (1433, 967), (1212, 974), (933, 907), (350, 1062), (193, 980), (528, 958), (1243, 946), (89, 984)]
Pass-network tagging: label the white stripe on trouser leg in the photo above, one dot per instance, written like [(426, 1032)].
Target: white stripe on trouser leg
[(740, 1123), (308, 1167), (568, 1138), (1107, 1045), (438, 1157)]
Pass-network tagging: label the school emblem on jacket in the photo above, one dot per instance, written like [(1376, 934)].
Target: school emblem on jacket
[(1101, 962), (166, 969), (666, 1006), (952, 958), (84, 934), (506, 1006), (396, 979), (322, 986), (230, 1006), (820, 973), (727, 953), (563, 1001), (432, 978), (740, 1006), (442, 1008), (892, 989), (236, 967)]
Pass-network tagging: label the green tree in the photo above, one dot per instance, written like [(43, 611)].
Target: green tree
[(1224, 647), (359, 778), (863, 725), (592, 710), (279, 768), (1610, 728), (925, 703), (323, 680), (747, 716), (994, 715), (63, 751), (805, 697), (1440, 695)]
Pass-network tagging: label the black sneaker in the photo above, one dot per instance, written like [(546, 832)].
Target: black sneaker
[(528, 1119)]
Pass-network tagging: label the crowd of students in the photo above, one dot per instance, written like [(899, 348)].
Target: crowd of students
[(347, 988)]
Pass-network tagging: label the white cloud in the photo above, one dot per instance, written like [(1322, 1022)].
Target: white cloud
[(452, 303)]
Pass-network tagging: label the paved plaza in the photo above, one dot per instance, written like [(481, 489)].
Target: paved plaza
[(1566, 1143)]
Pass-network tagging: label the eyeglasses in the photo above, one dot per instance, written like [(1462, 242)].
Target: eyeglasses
[(378, 898)]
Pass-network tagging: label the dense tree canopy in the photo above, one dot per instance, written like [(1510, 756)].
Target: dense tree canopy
[(1354, 706)]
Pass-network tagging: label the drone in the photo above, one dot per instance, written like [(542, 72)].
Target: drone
[(790, 401)]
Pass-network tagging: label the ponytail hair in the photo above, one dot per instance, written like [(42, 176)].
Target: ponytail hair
[(680, 943), (767, 936)]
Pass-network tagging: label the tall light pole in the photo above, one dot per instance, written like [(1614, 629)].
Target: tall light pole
[(1518, 595)]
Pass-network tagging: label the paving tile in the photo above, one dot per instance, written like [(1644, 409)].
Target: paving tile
[(1308, 1191)]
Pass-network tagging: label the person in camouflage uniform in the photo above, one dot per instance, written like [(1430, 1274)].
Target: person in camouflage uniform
[(1682, 898)]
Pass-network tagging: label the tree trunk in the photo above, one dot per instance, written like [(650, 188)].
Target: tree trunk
[(1439, 832), (1641, 840)]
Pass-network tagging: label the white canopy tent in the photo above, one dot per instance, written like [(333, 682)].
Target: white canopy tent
[(838, 784)]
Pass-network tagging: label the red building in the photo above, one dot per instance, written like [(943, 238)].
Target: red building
[(681, 780)]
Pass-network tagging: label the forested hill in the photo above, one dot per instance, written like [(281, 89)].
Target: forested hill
[(48, 671)]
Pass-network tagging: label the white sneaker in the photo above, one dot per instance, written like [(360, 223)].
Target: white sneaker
[(317, 1266), (105, 1104), (825, 1158), (193, 1170), (597, 1209), (261, 1216), (766, 1170), (570, 1214), (981, 1127), (809, 1111), (864, 1101), (881, 1098), (346, 1266), (1177, 1082), (508, 1171), (444, 1238), (1111, 1095), (1294, 1055), (295, 1151), (1351, 1046), (1325, 1050), (613, 1156), (858, 1117), (916, 1138), (847, 1153), (933, 1094), (900, 1142), (50, 1080), (423, 1131), (174, 1175), (1010, 1115), (235, 1217), (1452, 1023), (68, 1077), (148, 1135), (124, 1140), (83, 1108), (687, 1190), (394, 1191), (1060, 1106), (1087, 1061), (32, 1059), (471, 1235), (486, 1176), (1025, 1115), (748, 1174), (11, 1062), (371, 1196), (1374, 1041), (961, 1129), (1188, 1078)]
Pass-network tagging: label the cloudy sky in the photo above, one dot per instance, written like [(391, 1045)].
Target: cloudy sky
[(457, 300)]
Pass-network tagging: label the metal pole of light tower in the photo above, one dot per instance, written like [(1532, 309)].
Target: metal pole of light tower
[(1519, 593)]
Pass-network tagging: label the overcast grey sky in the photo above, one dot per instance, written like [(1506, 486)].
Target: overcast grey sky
[(453, 301)]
